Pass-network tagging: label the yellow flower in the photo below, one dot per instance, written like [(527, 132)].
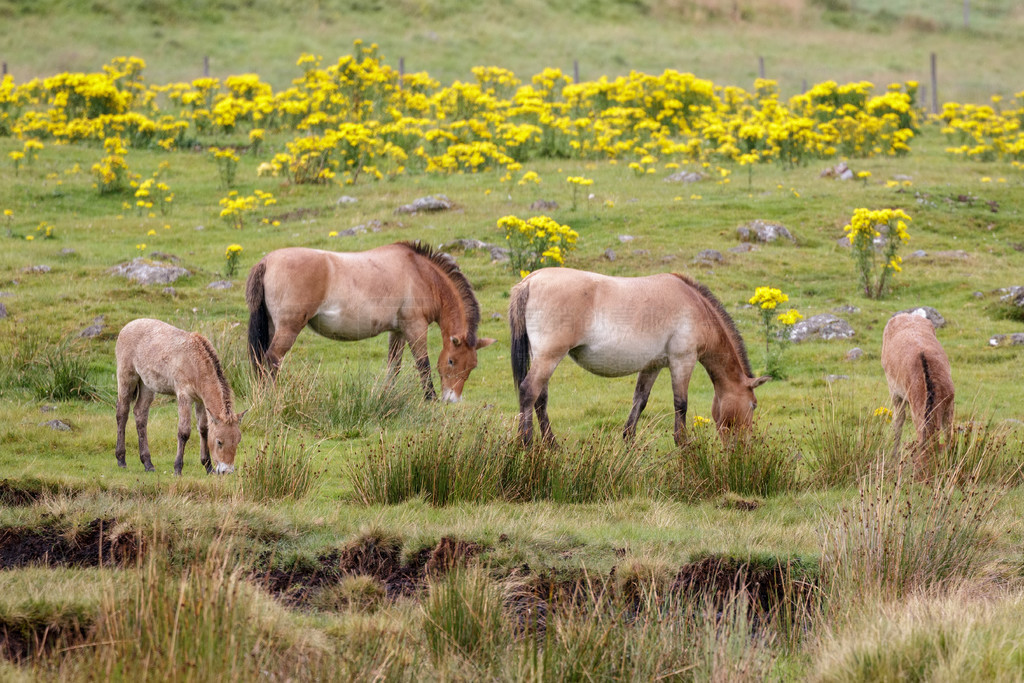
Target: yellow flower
[(883, 412), (151, 232), (523, 273), (768, 298), (789, 317), (700, 421), (30, 237), (140, 247), (232, 250), (332, 233)]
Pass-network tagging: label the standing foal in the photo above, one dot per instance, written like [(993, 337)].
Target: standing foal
[(156, 358), (918, 373)]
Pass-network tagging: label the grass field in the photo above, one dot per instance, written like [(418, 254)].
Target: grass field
[(369, 535)]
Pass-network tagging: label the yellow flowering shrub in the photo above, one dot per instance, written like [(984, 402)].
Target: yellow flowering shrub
[(537, 242), (767, 300), (871, 249)]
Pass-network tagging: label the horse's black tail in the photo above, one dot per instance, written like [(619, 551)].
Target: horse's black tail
[(929, 404), (259, 317), (517, 326)]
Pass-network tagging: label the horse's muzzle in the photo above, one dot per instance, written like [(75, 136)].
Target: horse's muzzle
[(449, 396), (224, 469)]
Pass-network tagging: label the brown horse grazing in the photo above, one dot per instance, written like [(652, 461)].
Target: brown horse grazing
[(399, 288), (615, 326), (917, 370), (156, 358)]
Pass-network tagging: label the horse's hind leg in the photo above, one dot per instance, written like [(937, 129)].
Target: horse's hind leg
[(126, 389), (285, 332), (533, 393), (644, 382), (899, 416), (142, 404), (202, 423)]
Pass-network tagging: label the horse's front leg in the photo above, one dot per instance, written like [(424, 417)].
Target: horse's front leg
[(644, 382), (533, 393), (142, 404), (681, 369), (184, 430), (418, 346), (202, 422)]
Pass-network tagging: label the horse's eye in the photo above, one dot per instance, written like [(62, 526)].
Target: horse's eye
[(451, 361), (220, 443)]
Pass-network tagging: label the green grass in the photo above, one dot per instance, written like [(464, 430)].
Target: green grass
[(361, 459)]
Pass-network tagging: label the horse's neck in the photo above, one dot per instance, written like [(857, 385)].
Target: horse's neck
[(449, 314), (723, 364), (207, 386)]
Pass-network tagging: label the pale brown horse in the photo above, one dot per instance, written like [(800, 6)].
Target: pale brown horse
[(156, 358), (398, 288), (615, 326), (918, 373)]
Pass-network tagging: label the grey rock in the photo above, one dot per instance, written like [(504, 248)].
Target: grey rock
[(94, 330), (429, 204), (978, 295), (685, 177), (56, 425), (743, 248), (835, 378), (843, 242), (36, 269), (3, 311), (609, 254), (1014, 339), (544, 205), (846, 308), (920, 253), (47, 409), (372, 226), (854, 354), (170, 291), (934, 317), (708, 257), (948, 255), (763, 231), (821, 326), (498, 254), (345, 199), (220, 284), (146, 272)]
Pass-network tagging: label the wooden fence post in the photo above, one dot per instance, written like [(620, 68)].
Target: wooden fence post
[(401, 71), (935, 85), (760, 66), (575, 71), (206, 66)]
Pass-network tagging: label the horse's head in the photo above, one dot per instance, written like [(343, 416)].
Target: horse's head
[(456, 361), (733, 408), (223, 439)]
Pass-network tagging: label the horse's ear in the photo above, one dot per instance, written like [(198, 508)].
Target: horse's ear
[(240, 415), (755, 383), (456, 341), (486, 341)]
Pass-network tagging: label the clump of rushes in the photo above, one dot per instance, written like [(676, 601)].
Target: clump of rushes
[(537, 242), (862, 231), (767, 300)]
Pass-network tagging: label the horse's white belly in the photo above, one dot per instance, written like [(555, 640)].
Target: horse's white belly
[(618, 357), (353, 323)]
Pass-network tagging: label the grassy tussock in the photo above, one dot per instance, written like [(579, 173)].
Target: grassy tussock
[(761, 464), (463, 619), (983, 450), (900, 537), (842, 441), (57, 372), (953, 637), (472, 459), (276, 470)]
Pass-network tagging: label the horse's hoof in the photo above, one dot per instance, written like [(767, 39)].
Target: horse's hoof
[(150, 468), (122, 464)]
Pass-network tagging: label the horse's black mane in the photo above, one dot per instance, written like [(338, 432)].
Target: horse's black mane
[(225, 388), (730, 326), (448, 266)]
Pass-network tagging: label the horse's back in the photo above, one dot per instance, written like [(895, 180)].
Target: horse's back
[(912, 356), (151, 350)]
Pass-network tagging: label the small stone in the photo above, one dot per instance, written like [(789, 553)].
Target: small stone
[(94, 330), (36, 269), (4, 295), (67, 251), (429, 204), (708, 258), (56, 425), (496, 316), (609, 254), (902, 178), (668, 258), (920, 253), (835, 378), (220, 284), (200, 227), (846, 308), (854, 354), (743, 248), (843, 242), (934, 317), (978, 295), (626, 238), (345, 199), (641, 252), (3, 311), (1015, 339), (684, 177), (47, 409), (544, 205), (170, 291)]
